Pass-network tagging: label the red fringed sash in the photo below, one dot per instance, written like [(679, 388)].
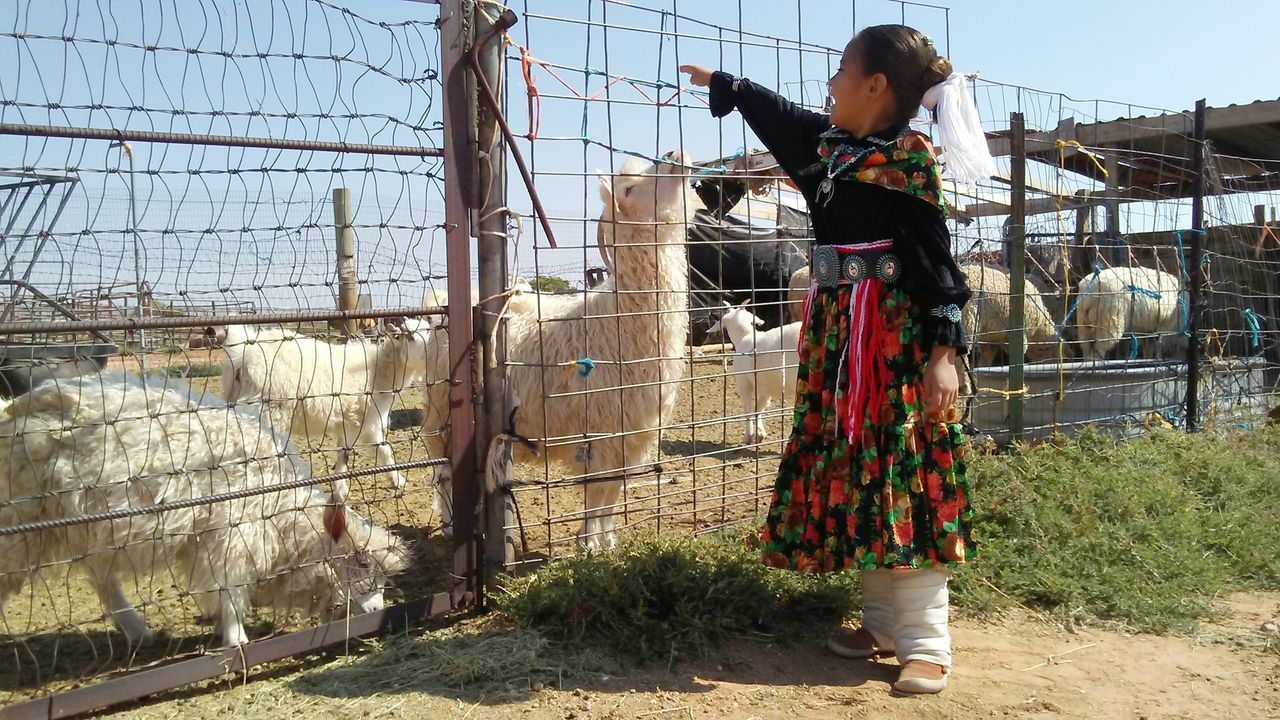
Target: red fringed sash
[(868, 372)]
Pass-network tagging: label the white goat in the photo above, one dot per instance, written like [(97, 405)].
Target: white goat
[(624, 342), (435, 406), (435, 410), (797, 289), (94, 444), (1140, 301), (311, 388), (764, 365)]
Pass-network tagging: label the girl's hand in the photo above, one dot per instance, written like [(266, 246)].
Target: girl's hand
[(698, 75), (941, 382)]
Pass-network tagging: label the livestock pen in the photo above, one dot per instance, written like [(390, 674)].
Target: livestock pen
[(171, 169), (539, 189), (1078, 198)]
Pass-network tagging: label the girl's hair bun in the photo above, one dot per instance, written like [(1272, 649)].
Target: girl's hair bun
[(939, 69)]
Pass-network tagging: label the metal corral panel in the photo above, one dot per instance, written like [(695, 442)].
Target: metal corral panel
[(1122, 395)]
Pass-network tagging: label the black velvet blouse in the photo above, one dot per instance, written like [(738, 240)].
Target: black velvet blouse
[(857, 211)]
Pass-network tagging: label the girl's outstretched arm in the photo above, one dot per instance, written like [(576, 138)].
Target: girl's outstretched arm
[(789, 131)]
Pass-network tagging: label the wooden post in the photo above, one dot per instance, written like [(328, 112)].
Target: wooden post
[(1195, 272), (1017, 271), (458, 102), (345, 236)]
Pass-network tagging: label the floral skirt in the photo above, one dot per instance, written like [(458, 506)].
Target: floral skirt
[(895, 496)]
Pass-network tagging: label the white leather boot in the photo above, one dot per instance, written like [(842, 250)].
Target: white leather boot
[(922, 640), (875, 637)]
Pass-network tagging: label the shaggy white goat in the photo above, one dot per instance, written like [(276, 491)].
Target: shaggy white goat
[(986, 317), (310, 388), (798, 288), (1144, 302), (624, 343), (435, 406), (435, 410), (100, 443), (764, 365)]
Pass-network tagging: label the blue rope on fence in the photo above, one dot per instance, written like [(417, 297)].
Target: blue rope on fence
[(1153, 294), (1253, 320), (1071, 311), (1186, 277)]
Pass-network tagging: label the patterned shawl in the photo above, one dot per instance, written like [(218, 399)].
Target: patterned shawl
[(906, 163)]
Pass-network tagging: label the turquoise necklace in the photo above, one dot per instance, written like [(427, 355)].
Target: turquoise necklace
[(843, 157)]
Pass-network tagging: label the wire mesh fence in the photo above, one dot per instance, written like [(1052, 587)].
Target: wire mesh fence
[(224, 237), (1110, 235), (185, 204), (657, 405), (670, 428)]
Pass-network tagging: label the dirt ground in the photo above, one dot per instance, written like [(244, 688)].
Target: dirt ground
[(1019, 668)]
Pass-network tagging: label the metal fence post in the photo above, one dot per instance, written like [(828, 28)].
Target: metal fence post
[(491, 256), (455, 37), (1195, 273), (1017, 271)]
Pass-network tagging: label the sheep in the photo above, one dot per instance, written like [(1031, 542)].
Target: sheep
[(764, 366), (798, 288), (633, 330), (1139, 301), (986, 320), (310, 388), (109, 442)]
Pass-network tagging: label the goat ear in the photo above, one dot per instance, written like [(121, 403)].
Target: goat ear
[(744, 303), (335, 520), (725, 303), (606, 187)]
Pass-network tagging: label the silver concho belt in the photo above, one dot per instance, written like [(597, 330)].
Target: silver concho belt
[(835, 265)]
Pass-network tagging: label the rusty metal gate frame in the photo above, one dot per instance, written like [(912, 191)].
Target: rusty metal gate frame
[(456, 29)]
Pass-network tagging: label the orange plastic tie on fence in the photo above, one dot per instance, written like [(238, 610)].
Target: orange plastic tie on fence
[(1265, 234), (531, 91)]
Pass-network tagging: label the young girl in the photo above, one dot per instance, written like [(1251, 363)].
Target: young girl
[(872, 477)]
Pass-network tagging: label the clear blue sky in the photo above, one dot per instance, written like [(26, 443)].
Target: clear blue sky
[(1164, 53), (1139, 54), (1149, 53)]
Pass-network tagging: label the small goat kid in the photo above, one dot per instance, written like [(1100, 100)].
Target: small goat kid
[(764, 365), (310, 388), (106, 442)]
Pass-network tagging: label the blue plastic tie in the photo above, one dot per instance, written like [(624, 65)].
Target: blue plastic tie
[(585, 366), (1071, 311), (1154, 295), (1252, 319)]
